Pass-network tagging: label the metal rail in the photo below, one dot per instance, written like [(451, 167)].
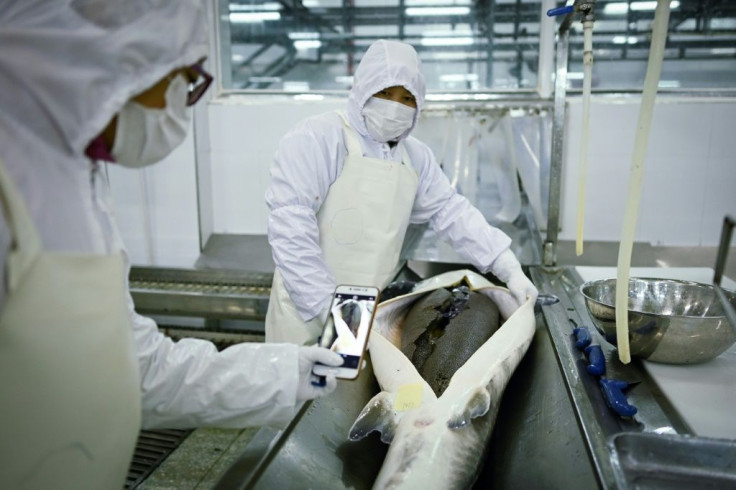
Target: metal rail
[(726, 233), (558, 142), (201, 293)]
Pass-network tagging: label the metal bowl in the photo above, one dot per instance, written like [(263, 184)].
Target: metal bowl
[(670, 321)]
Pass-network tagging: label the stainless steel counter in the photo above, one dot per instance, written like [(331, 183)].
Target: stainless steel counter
[(536, 442), (642, 451), (553, 429)]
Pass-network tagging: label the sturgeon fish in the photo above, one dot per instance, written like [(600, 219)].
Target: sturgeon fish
[(438, 441)]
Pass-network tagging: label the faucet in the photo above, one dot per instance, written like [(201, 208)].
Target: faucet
[(585, 7)]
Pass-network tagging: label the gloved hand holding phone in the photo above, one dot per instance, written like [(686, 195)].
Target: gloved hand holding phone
[(308, 356), (508, 269)]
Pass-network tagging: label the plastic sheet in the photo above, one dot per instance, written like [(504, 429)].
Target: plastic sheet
[(484, 153), (531, 135)]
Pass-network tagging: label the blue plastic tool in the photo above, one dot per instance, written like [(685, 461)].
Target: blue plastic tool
[(615, 398), (613, 389), (582, 337), (596, 360), (560, 11)]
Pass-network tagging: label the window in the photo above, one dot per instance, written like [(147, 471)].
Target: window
[(467, 45), (317, 44), (700, 50)]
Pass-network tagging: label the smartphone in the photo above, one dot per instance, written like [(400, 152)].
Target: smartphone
[(347, 329)]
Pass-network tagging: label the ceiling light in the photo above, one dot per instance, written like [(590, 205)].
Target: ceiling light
[(446, 41), (723, 51), (252, 17), (435, 11), (347, 80), (459, 77), (425, 3), (619, 8), (307, 44), (235, 7), (465, 32), (625, 40), (616, 8), (651, 5), (448, 56)]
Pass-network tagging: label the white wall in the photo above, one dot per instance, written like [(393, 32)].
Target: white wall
[(690, 176), (156, 209), (244, 134)]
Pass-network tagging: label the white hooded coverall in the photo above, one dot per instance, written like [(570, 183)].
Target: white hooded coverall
[(311, 158), (66, 67)]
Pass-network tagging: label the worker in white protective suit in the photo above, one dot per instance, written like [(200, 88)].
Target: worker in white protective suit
[(80, 371), (345, 186)]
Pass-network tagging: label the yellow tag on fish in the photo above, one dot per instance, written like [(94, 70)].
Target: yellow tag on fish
[(408, 397)]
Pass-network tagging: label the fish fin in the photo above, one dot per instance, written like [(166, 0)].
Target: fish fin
[(477, 404), (377, 415)]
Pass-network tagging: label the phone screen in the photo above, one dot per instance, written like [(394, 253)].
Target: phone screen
[(347, 327)]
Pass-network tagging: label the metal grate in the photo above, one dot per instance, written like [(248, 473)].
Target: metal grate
[(152, 448)]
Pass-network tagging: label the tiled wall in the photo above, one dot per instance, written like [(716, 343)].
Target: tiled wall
[(689, 174)]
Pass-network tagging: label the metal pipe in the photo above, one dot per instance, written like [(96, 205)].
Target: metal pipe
[(726, 233), (578, 6), (587, 87), (546, 51), (558, 125), (558, 140)]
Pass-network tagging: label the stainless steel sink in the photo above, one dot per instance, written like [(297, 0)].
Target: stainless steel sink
[(670, 461)]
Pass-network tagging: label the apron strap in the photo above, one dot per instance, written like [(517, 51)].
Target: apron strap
[(25, 243), (351, 139)]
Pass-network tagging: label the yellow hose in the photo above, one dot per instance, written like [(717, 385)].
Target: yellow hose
[(654, 70), (587, 85)]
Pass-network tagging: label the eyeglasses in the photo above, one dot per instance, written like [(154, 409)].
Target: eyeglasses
[(199, 86)]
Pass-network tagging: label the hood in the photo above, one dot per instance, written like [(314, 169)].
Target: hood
[(67, 66), (385, 64)]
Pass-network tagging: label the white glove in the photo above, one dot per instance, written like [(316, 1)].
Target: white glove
[(508, 269), (307, 357)]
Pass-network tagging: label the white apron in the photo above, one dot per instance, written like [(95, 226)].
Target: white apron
[(362, 224), (70, 406)]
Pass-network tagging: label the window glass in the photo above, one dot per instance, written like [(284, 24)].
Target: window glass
[(700, 51), (317, 44), (467, 45)]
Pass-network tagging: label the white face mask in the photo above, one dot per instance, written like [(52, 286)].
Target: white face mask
[(386, 120), (145, 135)]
